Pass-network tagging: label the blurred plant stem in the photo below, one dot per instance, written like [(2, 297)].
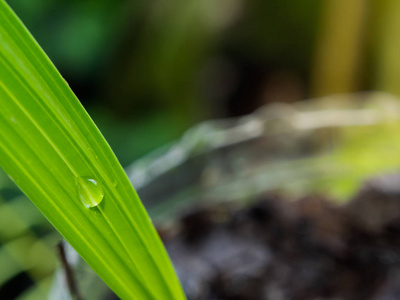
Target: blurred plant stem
[(339, 47), (387, 46)]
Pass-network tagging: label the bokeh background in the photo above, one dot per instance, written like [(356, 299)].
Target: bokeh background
[(146, 71)]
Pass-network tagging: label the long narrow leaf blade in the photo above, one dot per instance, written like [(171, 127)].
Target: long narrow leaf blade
[(49, 146)]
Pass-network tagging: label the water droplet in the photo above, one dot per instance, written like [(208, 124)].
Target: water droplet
[(115, 183), (90, 191)]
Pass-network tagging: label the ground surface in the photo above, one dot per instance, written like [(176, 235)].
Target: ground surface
[(300, 249)]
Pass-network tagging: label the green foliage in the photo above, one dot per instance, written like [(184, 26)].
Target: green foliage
[(48, 142), (364, 152)]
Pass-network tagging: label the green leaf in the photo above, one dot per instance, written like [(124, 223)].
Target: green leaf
[(48, 144)]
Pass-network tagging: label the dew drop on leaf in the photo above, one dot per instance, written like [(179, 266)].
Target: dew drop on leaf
[(90, 191), (115, 183)]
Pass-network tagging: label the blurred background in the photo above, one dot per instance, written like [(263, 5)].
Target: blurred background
[(146, 71)]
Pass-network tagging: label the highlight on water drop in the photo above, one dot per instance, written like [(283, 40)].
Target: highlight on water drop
[(90, 191)]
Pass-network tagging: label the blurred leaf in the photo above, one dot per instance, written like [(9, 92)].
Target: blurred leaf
[(363, 152)]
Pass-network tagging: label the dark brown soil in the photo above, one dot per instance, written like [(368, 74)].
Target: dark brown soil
[(303, 249)]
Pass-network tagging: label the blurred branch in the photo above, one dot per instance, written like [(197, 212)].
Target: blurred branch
[(73, 289)]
